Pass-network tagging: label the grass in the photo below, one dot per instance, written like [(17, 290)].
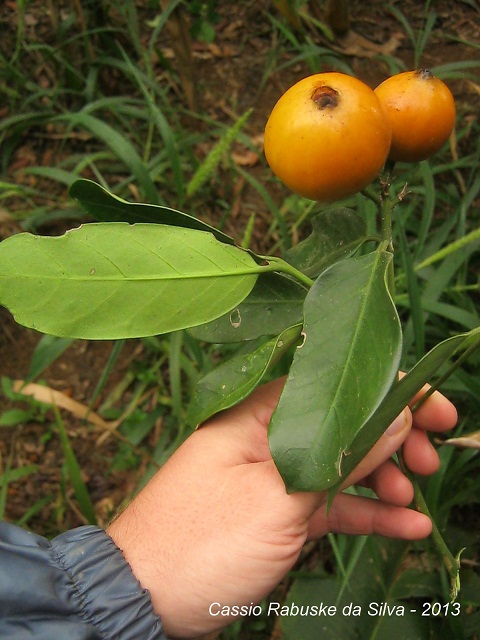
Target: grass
[(117, 116)]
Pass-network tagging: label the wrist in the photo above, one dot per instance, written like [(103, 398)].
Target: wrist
[(147, 534)]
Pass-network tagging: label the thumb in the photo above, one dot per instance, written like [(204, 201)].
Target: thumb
[(391, 440)]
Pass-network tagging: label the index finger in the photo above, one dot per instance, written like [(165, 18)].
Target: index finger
[(437, 413)]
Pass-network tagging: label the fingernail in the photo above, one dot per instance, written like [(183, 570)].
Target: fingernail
[(397, 426)]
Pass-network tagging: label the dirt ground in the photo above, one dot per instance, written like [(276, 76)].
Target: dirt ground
[(228, 71)]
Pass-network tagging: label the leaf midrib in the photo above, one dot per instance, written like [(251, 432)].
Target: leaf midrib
[(122, 278), (352, 344)]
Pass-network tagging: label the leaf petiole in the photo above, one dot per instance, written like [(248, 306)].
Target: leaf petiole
[(284, 267)]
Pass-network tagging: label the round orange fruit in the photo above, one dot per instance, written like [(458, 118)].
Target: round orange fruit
[(421, 111), (327, 137)]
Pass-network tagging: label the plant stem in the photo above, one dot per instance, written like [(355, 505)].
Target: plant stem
[(452, 564), (386, 206)]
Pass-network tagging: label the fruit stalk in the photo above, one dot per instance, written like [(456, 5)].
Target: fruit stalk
[(386, 205)]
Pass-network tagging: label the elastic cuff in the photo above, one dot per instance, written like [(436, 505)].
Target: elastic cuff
[(107, 593)]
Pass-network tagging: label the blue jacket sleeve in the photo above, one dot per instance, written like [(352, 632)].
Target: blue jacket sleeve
[(76, 586)]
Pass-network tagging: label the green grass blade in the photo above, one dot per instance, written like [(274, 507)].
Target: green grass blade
[(160, 21), (404, 22), (75, 472), (423, 36), (285, 240), (119, 144), (12, 475), (34, 509), (466, 319), (164, 129), (428, 207), (52, 173), (413, 292), (472, 238), (457, 70), (108, 369), (48, 349), (175, 371)]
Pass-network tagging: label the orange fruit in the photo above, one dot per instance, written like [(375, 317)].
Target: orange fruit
[(327, 137), (421, 110)]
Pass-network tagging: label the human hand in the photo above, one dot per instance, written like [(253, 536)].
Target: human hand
[(216, 525)]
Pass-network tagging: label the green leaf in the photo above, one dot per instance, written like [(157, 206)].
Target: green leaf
[(110, 281), (107, 207), (360, 611), (339, 375), (402, 393), (336, 234), (274, 304), (416, 583), (236, 378)]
